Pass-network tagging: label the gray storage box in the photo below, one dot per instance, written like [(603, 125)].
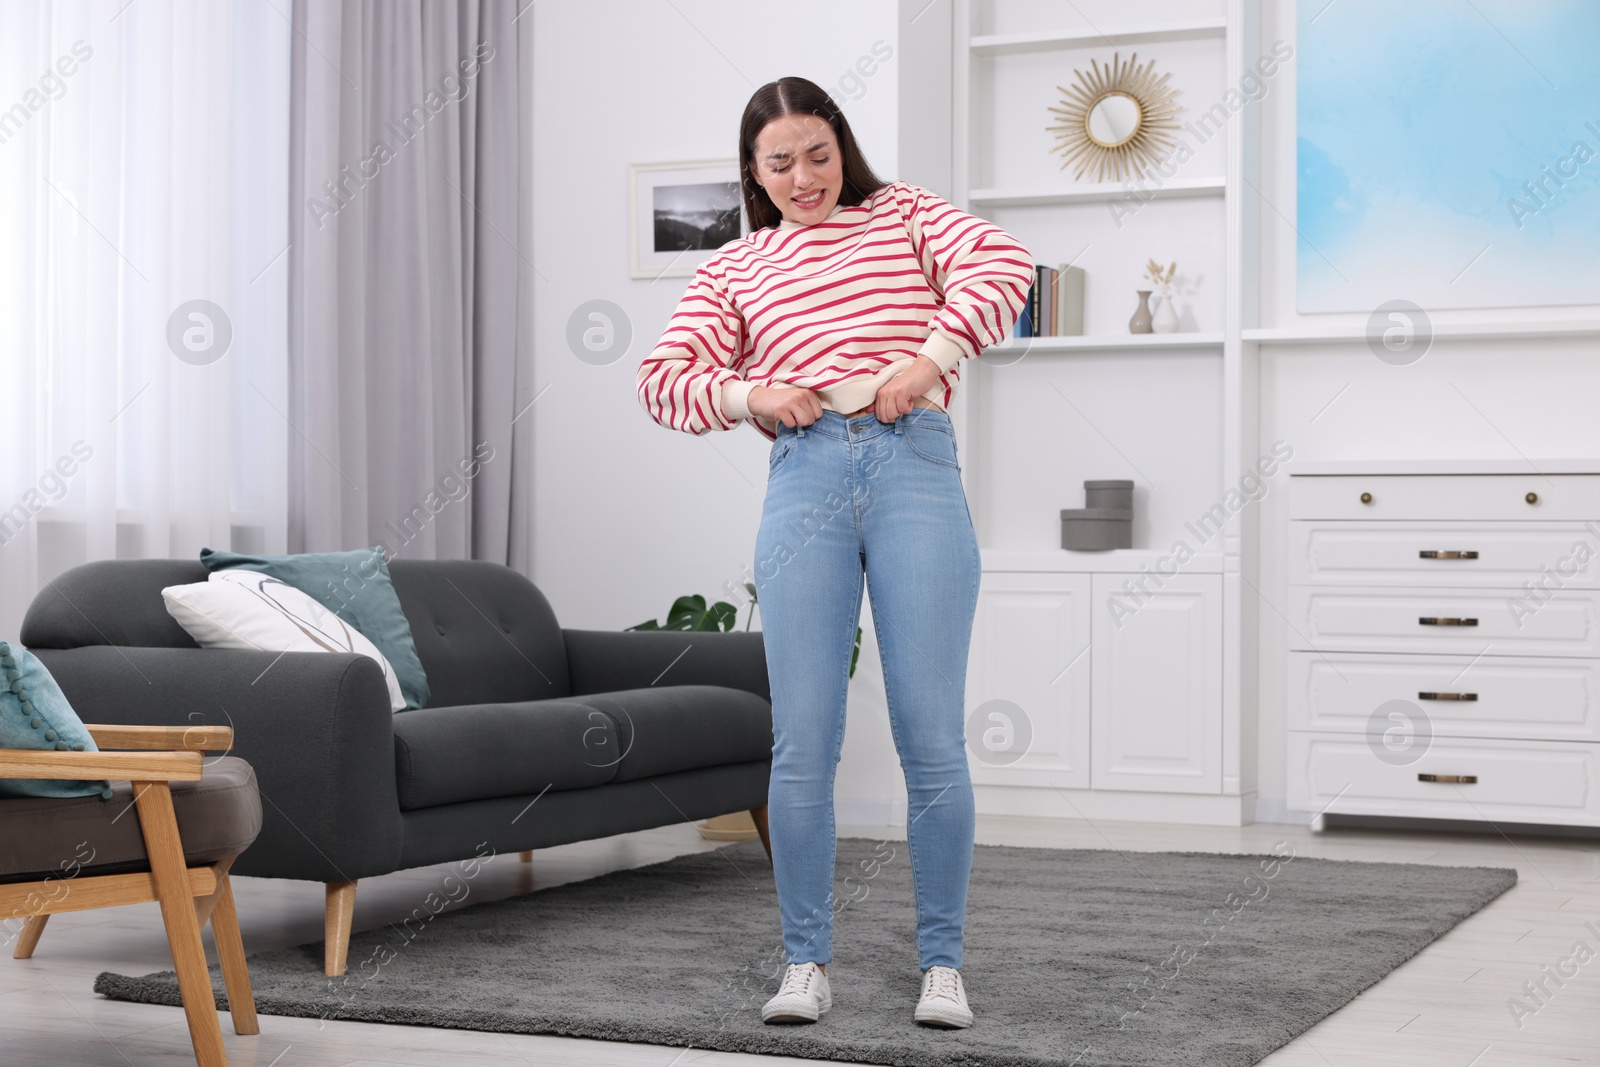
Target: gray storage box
[(1108, 493), (1095, 529)]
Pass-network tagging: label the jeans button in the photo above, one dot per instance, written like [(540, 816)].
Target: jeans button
[(857, 429)]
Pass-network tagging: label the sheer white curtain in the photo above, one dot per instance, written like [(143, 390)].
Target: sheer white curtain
[(143, 169)]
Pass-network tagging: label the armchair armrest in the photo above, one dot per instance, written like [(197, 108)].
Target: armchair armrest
[(163, 738), (600, 661), (315, 726), (94, 766)]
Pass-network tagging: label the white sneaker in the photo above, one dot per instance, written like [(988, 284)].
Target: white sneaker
[(944, 1001), (802, 997)]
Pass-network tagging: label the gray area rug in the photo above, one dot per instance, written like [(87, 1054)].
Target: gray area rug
[(1089, 958)]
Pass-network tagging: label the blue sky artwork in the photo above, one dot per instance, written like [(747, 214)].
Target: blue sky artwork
[(1448, 153)]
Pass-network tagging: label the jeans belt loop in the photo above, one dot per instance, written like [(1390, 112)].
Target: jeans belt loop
[(899, 424), (799, 431)]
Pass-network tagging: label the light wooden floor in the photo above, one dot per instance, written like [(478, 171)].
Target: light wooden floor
[(1447, 1006)]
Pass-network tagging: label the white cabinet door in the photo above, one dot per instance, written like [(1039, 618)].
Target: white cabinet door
[(1157, 721), (1028, 681)]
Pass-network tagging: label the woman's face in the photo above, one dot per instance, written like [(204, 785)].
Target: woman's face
[(797, 162)]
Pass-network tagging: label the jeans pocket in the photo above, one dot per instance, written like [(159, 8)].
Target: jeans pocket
[(934, 441), (781, 449)]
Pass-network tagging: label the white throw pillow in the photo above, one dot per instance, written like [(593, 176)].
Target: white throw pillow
[(247, 609)]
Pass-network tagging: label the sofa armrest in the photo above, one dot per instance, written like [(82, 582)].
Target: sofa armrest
[(603, 661), (315, 726)]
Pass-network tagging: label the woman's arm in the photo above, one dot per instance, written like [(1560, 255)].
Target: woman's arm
[(687, 382), (981, 271)]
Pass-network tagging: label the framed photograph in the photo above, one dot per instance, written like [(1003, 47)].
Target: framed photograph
[(680, 213)]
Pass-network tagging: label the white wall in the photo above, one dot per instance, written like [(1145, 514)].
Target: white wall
[(630, 515)]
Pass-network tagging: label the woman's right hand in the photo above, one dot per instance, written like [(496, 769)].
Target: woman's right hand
[(788, 404)]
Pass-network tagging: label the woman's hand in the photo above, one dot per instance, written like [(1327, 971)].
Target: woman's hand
[(788, 404), (895, 397)]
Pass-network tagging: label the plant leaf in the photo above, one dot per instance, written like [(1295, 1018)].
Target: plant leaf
[(685, 612), (719, 616)]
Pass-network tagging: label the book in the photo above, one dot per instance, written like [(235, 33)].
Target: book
[(1036, 298), (1068, 318), (1047, 301), (1055, 301), (1024, 323)]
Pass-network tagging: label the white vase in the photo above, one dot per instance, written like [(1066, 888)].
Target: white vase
[(1165, 319)]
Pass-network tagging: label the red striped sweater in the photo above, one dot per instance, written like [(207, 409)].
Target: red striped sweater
[(839, 306)]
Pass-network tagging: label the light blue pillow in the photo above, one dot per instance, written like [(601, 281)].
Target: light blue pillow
[(355, 586), (34, 714)]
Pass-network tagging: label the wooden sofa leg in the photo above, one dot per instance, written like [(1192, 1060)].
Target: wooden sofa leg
[(759, 817), (28, 939), (341, 909), (160, 827), (235, 973), (527, 857)]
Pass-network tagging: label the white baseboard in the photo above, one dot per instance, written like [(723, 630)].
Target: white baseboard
[(1144, 808), (1277, 810), (1117, 805)]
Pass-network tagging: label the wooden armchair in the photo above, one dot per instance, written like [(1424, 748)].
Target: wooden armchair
[(220, 808)]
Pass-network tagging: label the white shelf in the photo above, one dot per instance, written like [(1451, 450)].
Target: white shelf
[(1113, 560), (1099, 193), (1488, 331), (1008, 44), (1110, 342), (1452, 466)]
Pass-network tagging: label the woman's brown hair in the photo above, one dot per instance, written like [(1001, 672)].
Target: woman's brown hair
[(797, 96)]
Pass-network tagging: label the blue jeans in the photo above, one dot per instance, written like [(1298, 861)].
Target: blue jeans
[(847, 497)]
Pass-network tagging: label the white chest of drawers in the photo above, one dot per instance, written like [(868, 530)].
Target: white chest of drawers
[(1444, 641)]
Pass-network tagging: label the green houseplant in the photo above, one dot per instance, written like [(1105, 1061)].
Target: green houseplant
[(690, 613)]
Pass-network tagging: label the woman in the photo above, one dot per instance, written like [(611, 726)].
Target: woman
[(836, 326)]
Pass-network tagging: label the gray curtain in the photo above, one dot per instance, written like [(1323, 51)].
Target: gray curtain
[(407, 361)]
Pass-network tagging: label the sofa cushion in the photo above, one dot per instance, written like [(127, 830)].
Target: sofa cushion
[(485, 634), (218, 816), (670, 728), (354, 585), (248, 610), (35, 714), (484, 751)]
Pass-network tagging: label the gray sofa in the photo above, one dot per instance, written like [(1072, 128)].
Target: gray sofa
[(535, 735)]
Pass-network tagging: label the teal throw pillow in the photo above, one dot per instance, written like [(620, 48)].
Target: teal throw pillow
[(34, 714), (355, 586)]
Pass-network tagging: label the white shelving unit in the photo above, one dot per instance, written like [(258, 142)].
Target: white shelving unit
[(1112, 343), (1001, 44), (1136, 711), (1184, 415), (1502, 330), (1096, 193)]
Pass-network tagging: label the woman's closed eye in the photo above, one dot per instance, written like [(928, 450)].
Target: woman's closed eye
[(814, 162)]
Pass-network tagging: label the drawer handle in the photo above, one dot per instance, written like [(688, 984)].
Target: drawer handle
[(1434, 620), (1366, 498), (1445, 553), (1532, 498), (1447, 696), (1449, 779)]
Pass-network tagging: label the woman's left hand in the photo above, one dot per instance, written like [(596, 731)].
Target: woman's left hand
[(895, 397)]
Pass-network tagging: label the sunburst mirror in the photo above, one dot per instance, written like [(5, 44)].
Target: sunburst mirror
[(1114, 121)]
